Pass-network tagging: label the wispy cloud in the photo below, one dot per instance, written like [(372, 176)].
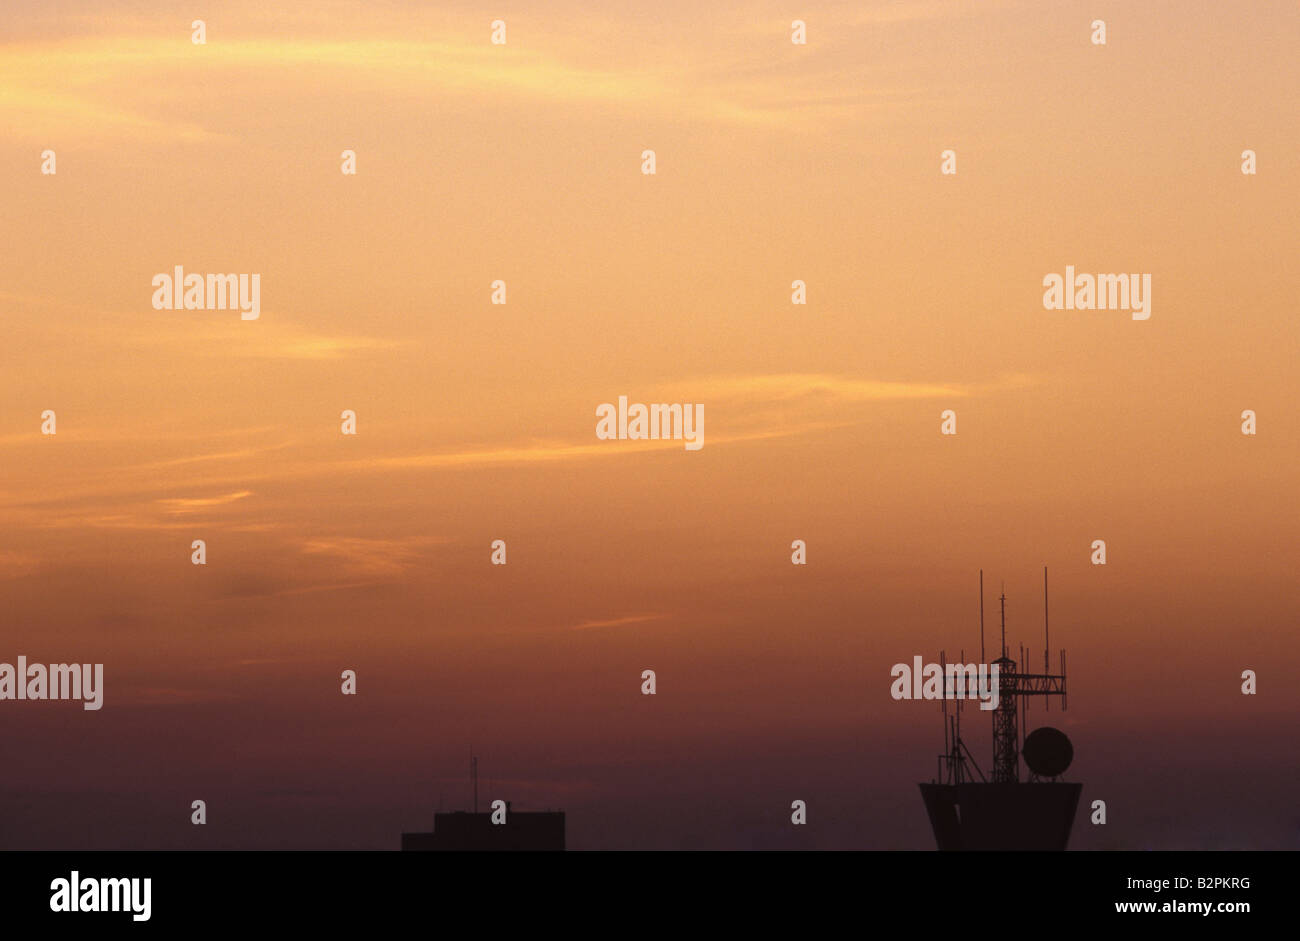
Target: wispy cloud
[(119, 85), (787, 387), (276, 335), (910, 11), (371, 558), (195, 504), (617, 622), (544, 452), (742, 409), (274, 339)]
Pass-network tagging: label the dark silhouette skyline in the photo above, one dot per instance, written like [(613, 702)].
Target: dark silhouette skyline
[(469, 831)]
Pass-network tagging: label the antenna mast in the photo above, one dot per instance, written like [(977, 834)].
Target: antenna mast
[(1004, 620), (1047, 645)]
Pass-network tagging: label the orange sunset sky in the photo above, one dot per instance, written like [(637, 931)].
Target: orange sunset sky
[(476, 421)]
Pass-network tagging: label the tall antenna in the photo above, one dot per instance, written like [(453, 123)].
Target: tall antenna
[(958, 699), (1004, 620), (982, 616), (957, 735), (943, 703), (1046, 637)]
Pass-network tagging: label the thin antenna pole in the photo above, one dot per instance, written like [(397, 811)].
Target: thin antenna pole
[(1004, 620), (943, 702), (1023, 723), (1047, 645), (956, 725), (982, 616), (959, 773), (958, 700)]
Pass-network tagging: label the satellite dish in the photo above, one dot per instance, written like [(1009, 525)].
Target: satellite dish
[(1048, 752)]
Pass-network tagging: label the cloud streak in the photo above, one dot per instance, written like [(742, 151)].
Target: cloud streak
[(118, 85), (617, 622), (196, 504)]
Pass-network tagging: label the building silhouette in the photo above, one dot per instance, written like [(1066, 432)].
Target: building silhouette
[(969, 811), (463, 831)]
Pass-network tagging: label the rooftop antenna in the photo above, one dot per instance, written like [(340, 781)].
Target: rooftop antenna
[(943, 703), (1004, 619), (1017, 685), (1046, 637), (957, 725)]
